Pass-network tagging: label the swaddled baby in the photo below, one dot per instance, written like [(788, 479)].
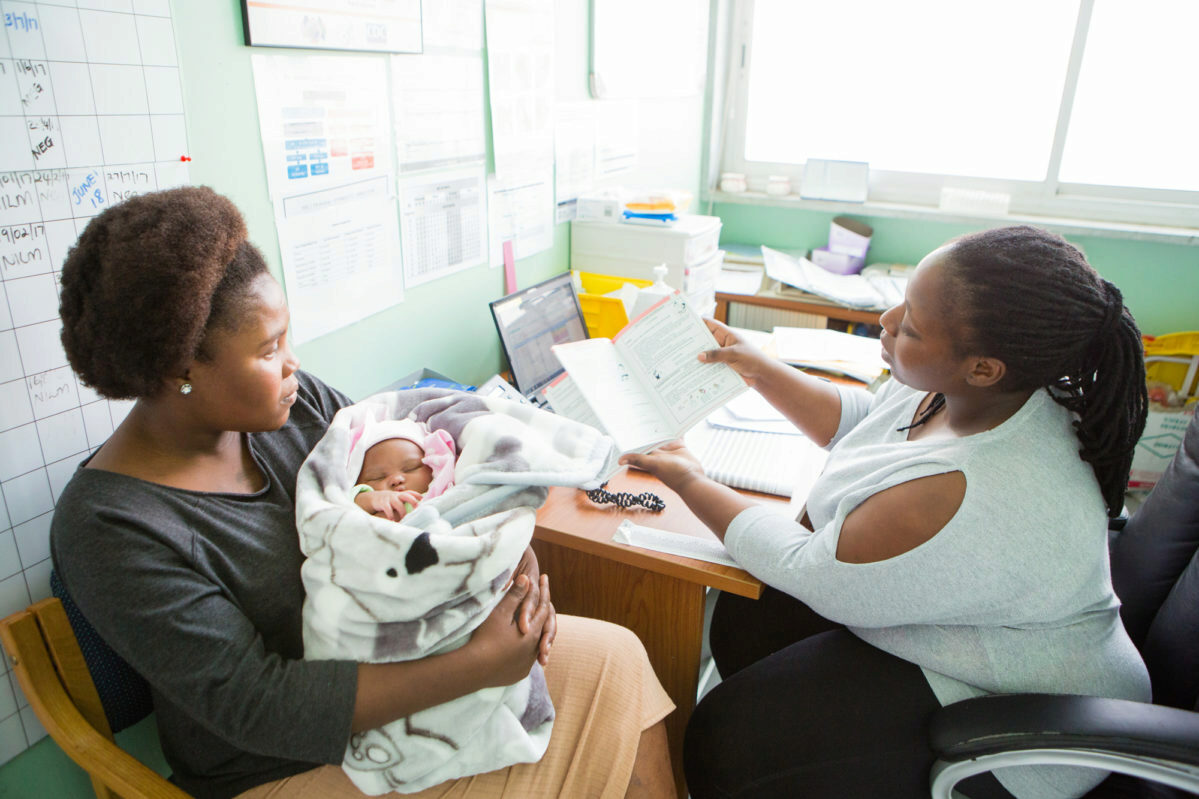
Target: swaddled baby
[(416, 573), (402, 462)]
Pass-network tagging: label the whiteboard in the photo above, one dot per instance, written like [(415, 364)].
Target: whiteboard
[(91, 112), (654, 48)]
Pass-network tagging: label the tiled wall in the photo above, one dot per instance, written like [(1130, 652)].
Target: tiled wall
[(91, 112)]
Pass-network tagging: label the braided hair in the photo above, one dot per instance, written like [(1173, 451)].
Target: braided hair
[(1030, 299)]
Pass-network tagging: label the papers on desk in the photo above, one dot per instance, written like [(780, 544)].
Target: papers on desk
[(858, 357), (672, 543), (851, 290), (739, 279), (753, 460), (752, 412)]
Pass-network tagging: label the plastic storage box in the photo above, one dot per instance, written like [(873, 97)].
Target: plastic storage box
[(605, 316), (615, 248)]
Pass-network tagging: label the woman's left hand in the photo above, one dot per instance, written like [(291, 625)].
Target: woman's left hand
[(528, 565), (671, 463)]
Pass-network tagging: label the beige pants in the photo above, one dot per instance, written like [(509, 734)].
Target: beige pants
[(605, 694)]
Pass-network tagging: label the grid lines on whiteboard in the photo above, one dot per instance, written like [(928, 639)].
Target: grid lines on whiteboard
[(91, 113)]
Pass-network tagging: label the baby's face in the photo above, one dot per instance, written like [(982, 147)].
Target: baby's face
[(395, 465)]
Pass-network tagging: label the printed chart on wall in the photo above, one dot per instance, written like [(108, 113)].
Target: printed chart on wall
[(441, 146), (329, 170), (520, 70), (91, 113)]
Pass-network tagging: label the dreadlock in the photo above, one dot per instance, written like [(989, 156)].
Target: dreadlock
[(1031, 300)]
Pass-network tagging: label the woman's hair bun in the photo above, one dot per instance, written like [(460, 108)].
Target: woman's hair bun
[(137, 287)]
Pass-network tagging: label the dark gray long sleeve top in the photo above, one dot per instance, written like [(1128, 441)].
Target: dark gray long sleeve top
[(200, 592)]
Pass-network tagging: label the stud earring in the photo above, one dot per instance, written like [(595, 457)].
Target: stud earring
[(185, 389)]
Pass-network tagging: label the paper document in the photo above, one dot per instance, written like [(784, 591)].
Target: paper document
[(443, 221), (750, 411), (520, 80), (851, 290), (646, 386), (341, 255), (723, 418), (859, 357), (755, 461), (732, 280), (672, 543)]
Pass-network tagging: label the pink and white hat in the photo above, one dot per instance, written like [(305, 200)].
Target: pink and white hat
[(437, 444)]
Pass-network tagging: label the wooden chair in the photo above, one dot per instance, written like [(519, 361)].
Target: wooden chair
[(52, 672)]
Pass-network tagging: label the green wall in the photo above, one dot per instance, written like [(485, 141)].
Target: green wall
[(1160, 282), (444, 325)]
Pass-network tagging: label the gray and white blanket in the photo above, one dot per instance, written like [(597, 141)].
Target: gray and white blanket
[(379, 590)]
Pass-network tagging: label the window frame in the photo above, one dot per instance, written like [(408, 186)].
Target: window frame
[(920, 192)]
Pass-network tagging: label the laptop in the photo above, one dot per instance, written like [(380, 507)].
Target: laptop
[(529, 323)]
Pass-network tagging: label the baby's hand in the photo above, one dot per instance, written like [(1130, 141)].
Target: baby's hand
[(388, 504)]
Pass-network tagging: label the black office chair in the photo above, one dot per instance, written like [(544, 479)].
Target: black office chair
[(1152, 750)]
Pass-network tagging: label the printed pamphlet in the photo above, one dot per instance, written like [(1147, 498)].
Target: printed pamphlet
[(644, 386)]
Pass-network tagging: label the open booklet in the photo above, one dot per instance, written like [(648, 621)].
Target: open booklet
[(644, 387)]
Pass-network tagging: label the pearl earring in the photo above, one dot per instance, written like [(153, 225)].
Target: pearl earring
[(185, 389)]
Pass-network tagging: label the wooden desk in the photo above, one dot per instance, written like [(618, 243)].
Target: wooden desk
[(801, 303), (658, 596)]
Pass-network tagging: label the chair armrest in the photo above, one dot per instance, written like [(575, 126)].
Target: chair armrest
[(1013, 722)]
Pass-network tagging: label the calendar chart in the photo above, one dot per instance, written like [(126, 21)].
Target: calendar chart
[(443, 224), (91, 113)]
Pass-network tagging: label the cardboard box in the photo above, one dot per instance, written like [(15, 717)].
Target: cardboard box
[(1163, 435)]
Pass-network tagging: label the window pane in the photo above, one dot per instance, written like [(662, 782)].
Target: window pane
[(1136, 120), (937, 86)]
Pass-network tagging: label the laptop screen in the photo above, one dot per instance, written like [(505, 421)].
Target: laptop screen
[(530, 322)]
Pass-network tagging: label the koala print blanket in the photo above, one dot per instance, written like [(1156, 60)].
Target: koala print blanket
[(380, 591)]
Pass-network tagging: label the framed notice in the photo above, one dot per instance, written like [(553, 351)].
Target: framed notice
[(385, 26)]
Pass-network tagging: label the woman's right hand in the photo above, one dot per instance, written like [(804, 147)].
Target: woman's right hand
[(508, 653), (746, 359)]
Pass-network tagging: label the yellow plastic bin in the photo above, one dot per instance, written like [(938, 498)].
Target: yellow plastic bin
[(605, 316), (1174, 359)]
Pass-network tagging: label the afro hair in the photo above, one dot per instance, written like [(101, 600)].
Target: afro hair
[(137, 287)]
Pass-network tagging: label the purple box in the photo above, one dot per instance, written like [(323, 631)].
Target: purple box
[(838, 263), (849, 236)]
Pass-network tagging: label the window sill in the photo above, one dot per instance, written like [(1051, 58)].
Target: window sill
[(1078, 227)]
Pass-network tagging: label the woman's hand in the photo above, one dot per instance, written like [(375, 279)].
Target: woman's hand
[(506, 652), (388, 504), (746, 359), (671, 463), (529, 567)]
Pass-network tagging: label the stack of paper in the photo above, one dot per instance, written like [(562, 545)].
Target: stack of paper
[(752, 412), (754, 461), (851, 290), (859, 357), (739, 279)]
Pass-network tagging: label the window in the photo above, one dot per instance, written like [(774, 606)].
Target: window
[(1074, 108)]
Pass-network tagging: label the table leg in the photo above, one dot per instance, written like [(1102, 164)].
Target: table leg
[(666, 613)]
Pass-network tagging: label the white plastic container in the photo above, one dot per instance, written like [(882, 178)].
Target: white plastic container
[(690, 240)]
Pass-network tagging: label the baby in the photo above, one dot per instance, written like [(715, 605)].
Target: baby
[(402, 463)]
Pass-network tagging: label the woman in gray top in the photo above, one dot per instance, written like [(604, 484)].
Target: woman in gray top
[(177, 540), (955, 544)]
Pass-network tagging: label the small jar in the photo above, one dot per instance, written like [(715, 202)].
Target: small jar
[(732, 181), (778, 185)]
